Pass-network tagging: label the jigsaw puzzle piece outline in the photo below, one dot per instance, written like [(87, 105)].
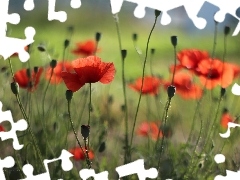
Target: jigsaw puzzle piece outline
[(66, 165), (7, 162), (20, 125), (137, 167)]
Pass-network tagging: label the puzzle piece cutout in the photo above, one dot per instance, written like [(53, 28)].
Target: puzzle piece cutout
[(137, 167), (8, 45), (87, 173), (227, 133), (230, 175), (20, 125), (236, 89), (192, 9), (52, 14), (66, 165), (7, 162)]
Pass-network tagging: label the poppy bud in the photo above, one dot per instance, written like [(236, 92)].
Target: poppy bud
[(35, 69), (226, 30), (98, 36), (223, 91), (174, 40), (69, 95), (124, 53), (28, 73), (225, 110), (102, 147), (53, 63), (41, 48), (171, 91), (66, 43), (15, 88), (134, 36), (85, 130), (157, 13), (152, 51)]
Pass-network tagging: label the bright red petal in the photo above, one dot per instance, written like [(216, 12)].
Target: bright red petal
[(107, 72), (72, 81)]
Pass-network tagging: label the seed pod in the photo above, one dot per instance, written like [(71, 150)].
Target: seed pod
[(85, 130), (171, 91), (69, 95)]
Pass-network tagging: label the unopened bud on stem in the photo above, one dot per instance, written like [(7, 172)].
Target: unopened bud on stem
[(69, 95)]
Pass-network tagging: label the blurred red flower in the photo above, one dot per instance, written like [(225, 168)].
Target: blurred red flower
[(149, 129), (86, 48), (79, 155), (2, 128), (88, 70), (225, 119), (184, 86), (56, 74), (214, 72), (28, 79), (189, 59), (150, 85)]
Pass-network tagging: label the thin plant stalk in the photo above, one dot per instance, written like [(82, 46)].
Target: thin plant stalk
[(143, 74), (75, 133), (26, 118), (127, 154)]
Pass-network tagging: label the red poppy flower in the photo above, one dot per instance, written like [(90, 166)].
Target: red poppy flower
[(56, 74), (184, 86), (28, 79), (149, 129), (189, 59), (150, 85), (79, 155), (88, 70), (214, 72), (225, 119), (2, 128), (86, 48)]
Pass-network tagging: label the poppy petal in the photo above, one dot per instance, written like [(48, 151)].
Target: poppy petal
[(72, 81)]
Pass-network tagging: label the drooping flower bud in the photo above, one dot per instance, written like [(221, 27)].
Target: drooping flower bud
[(85, 130), (226, 30), (69, 95), (124, 53), (171, 91), (223, 91), (98, 36), (53, 63), (157, 13), (174, 40), (66, 43), (15, 88)]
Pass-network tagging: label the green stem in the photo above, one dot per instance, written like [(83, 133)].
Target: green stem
[(127, 154), (75, 133), (143, 74), (26, 118)]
